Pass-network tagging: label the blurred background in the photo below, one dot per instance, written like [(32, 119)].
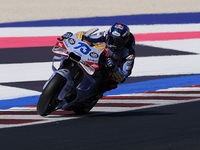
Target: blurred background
[(29, 10)]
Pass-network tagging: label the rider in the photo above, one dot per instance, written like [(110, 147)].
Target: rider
[(119, 52)]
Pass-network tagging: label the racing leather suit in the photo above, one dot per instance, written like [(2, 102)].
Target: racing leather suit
[(124, 59)]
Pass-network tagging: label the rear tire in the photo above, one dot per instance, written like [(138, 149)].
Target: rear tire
[(84, 108), (48, 99)]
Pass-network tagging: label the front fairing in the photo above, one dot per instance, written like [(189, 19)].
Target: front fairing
[(89, 54)]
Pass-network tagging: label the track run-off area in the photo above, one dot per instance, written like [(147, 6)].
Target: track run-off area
[(166, 70)]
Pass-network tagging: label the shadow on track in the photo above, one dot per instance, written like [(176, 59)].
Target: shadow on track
[(173, 127), (132, 114)]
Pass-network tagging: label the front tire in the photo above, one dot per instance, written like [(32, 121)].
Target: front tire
[(48, 99)]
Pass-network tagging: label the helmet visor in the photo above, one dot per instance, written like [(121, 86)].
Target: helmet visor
[(115, 42)]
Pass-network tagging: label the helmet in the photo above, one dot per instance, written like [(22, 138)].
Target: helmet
[(117, 36)]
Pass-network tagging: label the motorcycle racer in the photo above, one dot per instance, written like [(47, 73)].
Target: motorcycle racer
[(120, 53), (117, 58), (91, 63)]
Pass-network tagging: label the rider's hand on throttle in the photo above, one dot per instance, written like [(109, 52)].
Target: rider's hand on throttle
[(110, 64), (67, 35)]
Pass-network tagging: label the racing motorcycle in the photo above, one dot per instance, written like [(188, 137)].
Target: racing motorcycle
[(75, 84)]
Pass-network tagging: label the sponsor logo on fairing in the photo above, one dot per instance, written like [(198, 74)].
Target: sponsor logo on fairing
[(94, 55), (95, 66), (93, 59), (60, 44), (100, 47), (71, 41)]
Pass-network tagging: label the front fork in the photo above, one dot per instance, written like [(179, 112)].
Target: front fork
[(66, 74), (69, 84)]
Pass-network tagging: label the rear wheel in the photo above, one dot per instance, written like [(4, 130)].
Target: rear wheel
[(48, 100), (85, 107)]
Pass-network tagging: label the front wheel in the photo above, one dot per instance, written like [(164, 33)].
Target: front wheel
[(48, 99)]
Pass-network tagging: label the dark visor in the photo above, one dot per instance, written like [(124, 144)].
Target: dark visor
[(116, 42)]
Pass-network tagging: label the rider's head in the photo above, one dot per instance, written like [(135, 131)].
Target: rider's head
[(117, 36)]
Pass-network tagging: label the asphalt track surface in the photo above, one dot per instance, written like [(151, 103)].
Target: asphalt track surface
[(170, 127), (173, 127)]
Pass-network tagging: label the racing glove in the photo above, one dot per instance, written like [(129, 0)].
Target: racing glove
[(110, 64), (65, 36)]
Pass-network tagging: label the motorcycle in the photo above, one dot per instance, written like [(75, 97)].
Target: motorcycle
[(75, 84)]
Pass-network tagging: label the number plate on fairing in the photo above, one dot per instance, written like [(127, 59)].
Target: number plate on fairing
[(84, 50)]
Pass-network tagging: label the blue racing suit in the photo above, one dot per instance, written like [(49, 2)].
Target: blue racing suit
[(123, 59)]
